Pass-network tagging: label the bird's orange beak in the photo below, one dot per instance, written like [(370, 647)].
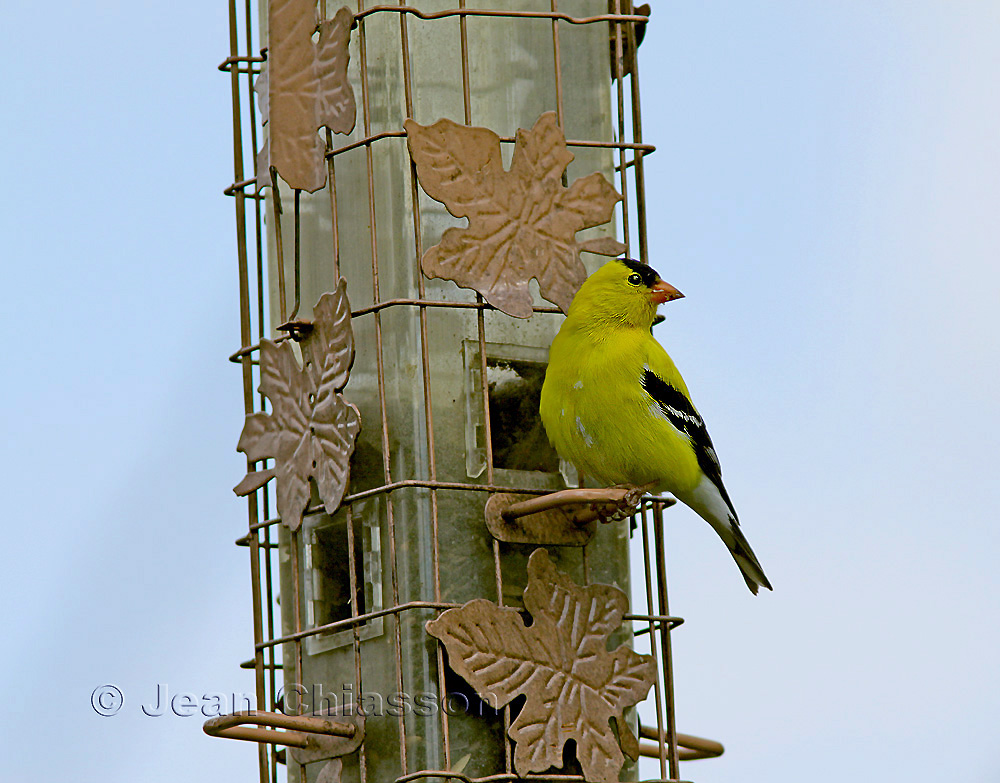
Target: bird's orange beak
[(663, 292)]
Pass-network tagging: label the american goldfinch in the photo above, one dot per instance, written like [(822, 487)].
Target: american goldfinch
[(615, 406)]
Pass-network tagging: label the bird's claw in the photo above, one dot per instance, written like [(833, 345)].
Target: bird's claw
[(616, 511), (607, 513), (620, 510)]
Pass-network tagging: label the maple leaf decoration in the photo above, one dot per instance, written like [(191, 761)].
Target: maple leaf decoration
[(303, 87), (561, 663), (311, 430), (522, 222)]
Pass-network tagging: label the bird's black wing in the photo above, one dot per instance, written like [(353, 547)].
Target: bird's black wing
[(679, 411)]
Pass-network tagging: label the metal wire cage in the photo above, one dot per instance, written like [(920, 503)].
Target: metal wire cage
[(445, 383)]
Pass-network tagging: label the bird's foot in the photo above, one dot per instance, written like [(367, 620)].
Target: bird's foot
[(621, 509)]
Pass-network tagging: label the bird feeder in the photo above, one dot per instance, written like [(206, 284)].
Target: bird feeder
[(419, 191)]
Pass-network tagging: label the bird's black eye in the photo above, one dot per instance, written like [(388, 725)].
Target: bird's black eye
[(635, 278)]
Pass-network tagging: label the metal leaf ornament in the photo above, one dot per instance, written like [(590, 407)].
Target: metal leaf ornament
[(522, 222), (303, 87), (561, 663), (311, 429)]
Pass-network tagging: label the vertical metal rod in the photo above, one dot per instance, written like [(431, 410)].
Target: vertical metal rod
[(247, 371), (480, 321), (484, 383), (619, 80), (426, 373), (355, 627), (297, 280), (278, 244), (652, 642), (297, 601), (488, 430), (466, 90), (269, 592), (391, 530), (507, 744), (331, 173), (668, 664), (558, 68), (264, 508), (349, 510), (352, 577), (640, 177)]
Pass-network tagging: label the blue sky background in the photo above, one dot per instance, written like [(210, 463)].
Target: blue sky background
[(825, 191)]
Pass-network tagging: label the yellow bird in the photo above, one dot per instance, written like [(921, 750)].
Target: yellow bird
[(615, 406)]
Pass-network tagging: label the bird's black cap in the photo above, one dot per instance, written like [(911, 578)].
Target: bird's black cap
[(645, 271)]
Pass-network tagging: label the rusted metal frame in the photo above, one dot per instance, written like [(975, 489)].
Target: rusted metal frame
[(355, 626), (270, 664), (367, 141), (456, 485), (296, 606), (652, 622), (483, 382), (387, 467), (557, 63), (464, 12), (656, 619), (238, 356), (296, 591), (278, 243), (618, 145), (371, 139), (227, 64), (297, 275), (502, 777), (692, 748), (241, 185), (508, 743), (426, 377), (283, 316), (331, 178), (463, 32), (296, 728), (360, 619), (352, 576), (245, 541), (657, 687), (668, 666), (302, 723), (640, 177), (618, 77), (410, 483), (425, 303), (247, 370), (250, 664), (628, 164), (356, 619), (572, 497)]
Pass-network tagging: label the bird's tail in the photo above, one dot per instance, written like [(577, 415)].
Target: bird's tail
[(740, 549), (713, 505)]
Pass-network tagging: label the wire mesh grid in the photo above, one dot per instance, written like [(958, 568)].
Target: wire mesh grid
[(402, 519)]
